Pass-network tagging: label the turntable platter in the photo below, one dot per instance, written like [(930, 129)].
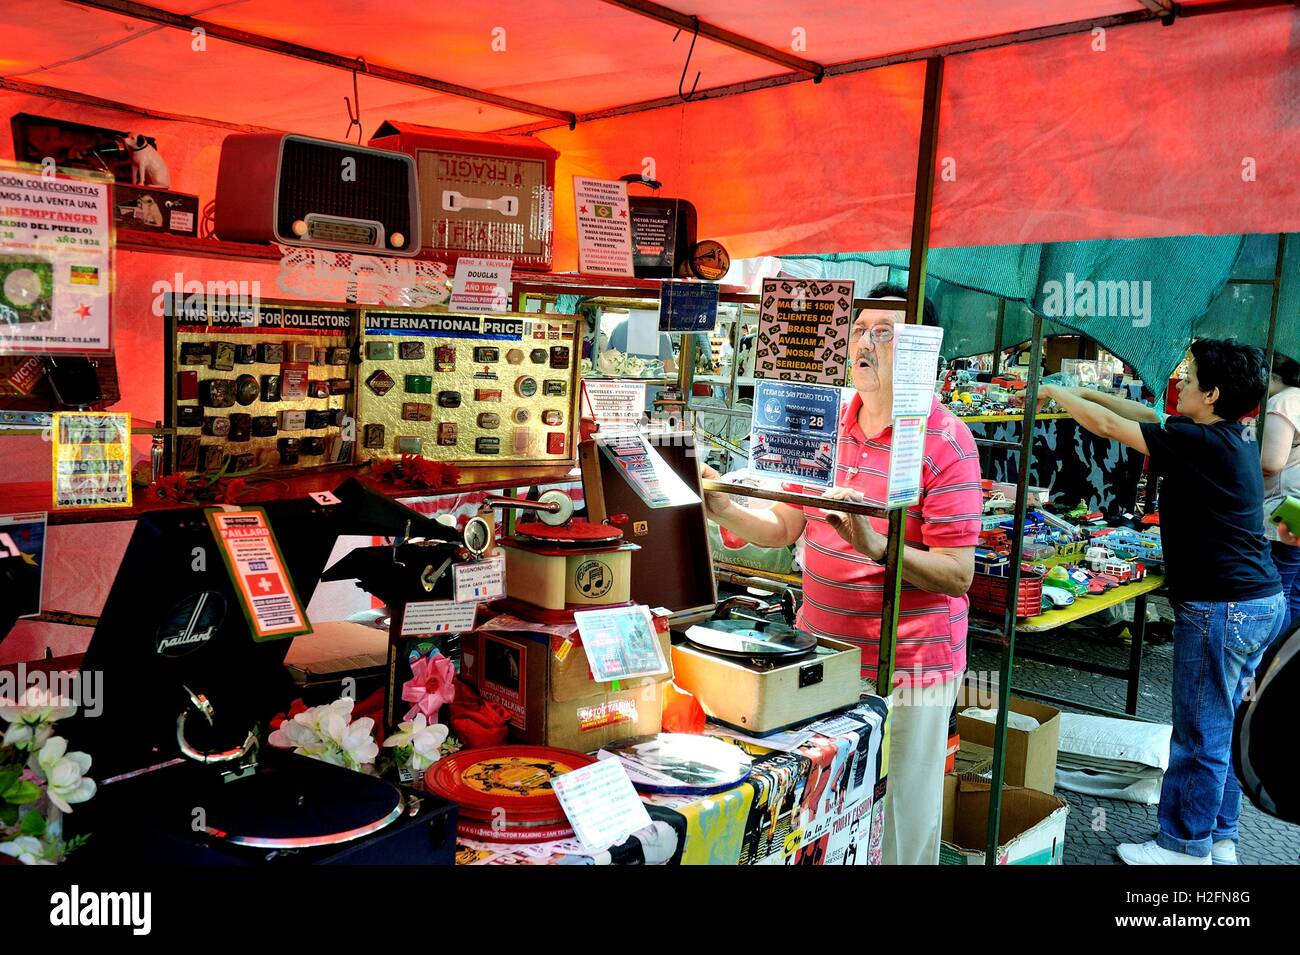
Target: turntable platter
[(275, 809), (745, 638)]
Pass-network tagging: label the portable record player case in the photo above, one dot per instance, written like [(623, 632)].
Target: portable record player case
[(760, 701)]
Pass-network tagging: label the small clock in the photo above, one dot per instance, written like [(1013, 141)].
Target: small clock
[(477, 536)]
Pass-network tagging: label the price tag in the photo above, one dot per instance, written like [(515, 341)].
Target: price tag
[(325, 498), (437, 616), (601, 804), (480, 580)]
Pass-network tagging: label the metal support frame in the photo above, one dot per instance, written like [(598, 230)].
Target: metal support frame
[(1276, 298)]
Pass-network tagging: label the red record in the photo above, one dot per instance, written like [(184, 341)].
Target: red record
[(488, 833), (513, 779), (577, 531)]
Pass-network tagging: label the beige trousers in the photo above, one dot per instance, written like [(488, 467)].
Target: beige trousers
[(918, 745)]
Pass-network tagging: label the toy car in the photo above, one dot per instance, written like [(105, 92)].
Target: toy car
[(1057, 596)]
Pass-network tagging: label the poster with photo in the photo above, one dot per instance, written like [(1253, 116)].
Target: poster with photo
[(803, 330), (56, 243)]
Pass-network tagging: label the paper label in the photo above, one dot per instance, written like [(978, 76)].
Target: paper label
[(604, 229), (795, 432), (609, 713), (92, 459), (325, 498), (480, 580), (438, 616), (803, 331), (620, 643), (601, 804), (181, 221), (615, 405), (56, 238), (481, 285), (916, 366), (256, 568), (906, 456)]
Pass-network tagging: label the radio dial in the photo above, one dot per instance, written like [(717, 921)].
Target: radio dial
[(299, 228), (397, 240)]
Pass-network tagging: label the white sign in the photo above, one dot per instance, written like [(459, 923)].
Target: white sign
[(480, 579), (916, 366), (644, 468), (601, 804), (56, 238), (620, 643), (604, 226), (481, 285), (437, 616), (615, 405), (906, 455)]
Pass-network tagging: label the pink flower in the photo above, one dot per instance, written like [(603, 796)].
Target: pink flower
[(432, 683)]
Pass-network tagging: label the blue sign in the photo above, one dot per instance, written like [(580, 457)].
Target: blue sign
[(688, 307), (795, 431)]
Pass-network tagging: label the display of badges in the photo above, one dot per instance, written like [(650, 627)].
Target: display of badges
[(555, 388), (444, 358), (411, 351), (247, 389), (419, 384), (264, 426), (486, 354), (373, 436), (487, 445), (381, 349), (217, 392), (270, 353), (417, 411), (195, 353), (448, 433), (270, 387), (241, 427), (380, 382), (552, 418), (187, 386), (189, 416), (293, 420), (681, 763), (525, 387), (217, 426), (449, 399), (223, 356), (489, 421)]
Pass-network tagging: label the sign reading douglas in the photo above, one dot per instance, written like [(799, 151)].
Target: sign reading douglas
[(803, 331)]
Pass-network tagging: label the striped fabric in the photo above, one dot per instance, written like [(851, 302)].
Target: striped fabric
[(843, 590)]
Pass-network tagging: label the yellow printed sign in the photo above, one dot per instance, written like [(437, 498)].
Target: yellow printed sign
[(91, 465)]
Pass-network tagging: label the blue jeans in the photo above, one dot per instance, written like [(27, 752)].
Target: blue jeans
[(1217, 647), (1287, 561)]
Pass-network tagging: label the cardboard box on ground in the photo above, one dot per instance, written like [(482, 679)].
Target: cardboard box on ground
[(1030, 754), (1032, 829)]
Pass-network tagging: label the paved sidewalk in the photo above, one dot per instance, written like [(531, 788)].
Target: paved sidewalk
[(1097, 825)]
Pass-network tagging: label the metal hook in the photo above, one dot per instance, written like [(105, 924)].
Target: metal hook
[(686, 97), (397, 541), (354, 119)]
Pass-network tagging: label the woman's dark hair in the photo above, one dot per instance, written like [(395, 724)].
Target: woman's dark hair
[(889, 290), (1237, 370), (1287, 369)]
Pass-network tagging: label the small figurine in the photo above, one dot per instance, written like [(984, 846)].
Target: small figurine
[(147, 166)]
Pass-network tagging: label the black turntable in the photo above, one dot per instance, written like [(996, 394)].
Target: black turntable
[(188, 695)]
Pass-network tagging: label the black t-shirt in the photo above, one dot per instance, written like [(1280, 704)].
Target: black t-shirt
[(1210, 506)]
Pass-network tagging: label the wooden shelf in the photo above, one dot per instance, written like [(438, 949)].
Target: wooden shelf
[(128, 241), (561, 283), (37, 495)]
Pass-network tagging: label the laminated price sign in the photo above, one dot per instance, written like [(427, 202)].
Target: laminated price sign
[(257, 570), (92, 459)]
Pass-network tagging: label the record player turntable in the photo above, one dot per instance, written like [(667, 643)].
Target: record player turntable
[(761, 675), (181, 776)]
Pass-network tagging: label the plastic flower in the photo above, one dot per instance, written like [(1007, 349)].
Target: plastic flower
[(432, 683), (26, 849), (425, 741), (327, 733), (64, 773), (32, 718)]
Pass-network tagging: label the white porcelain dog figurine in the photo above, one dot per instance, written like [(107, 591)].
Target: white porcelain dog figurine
[(147, 167)]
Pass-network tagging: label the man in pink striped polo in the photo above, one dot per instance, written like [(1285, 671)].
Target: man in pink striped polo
[(844, 574)]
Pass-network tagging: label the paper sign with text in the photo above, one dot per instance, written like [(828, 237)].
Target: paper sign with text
[(614, 405), (906, 456), (604, 226), (601, 804), (256, 567), (795, 431), (479, 580), (916, 366), (437, 616), (481, 285), (803, 330), (92, 459)]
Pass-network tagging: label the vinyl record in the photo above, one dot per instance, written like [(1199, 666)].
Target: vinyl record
[(748, 638), (516, 779), (681, 763), (574, 533), (486, 832)]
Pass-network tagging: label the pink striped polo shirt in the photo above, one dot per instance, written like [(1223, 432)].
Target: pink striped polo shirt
[(843, 590)]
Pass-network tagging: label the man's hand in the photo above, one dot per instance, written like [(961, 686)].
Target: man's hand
[(855, 529), (1286, 537), (715, 503), (1045, 394)]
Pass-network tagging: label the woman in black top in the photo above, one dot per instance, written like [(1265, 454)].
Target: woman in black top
[(1227, 597)]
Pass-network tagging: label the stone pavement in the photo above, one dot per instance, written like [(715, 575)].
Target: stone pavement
[(1264, 840)]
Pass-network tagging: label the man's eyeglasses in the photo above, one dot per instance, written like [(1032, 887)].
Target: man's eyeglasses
[(880, 334)]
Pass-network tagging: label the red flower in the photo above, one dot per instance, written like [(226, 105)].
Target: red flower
[(296, 707), (174, 488), (231, 489)]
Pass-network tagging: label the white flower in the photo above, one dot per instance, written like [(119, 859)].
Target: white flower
[(327, 733), (425, 740), (26, 849), (32, 718), (64, 773)]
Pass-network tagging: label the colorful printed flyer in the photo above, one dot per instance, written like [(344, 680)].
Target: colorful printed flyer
[(620, 643), (604, 226), (22, 540), (92, 459), (56, 242), (252, 557), (644, 468), (795, 432), (803, 330)]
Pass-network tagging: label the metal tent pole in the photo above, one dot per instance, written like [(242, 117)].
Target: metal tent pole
[(1276, 297), (1013, 593)]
